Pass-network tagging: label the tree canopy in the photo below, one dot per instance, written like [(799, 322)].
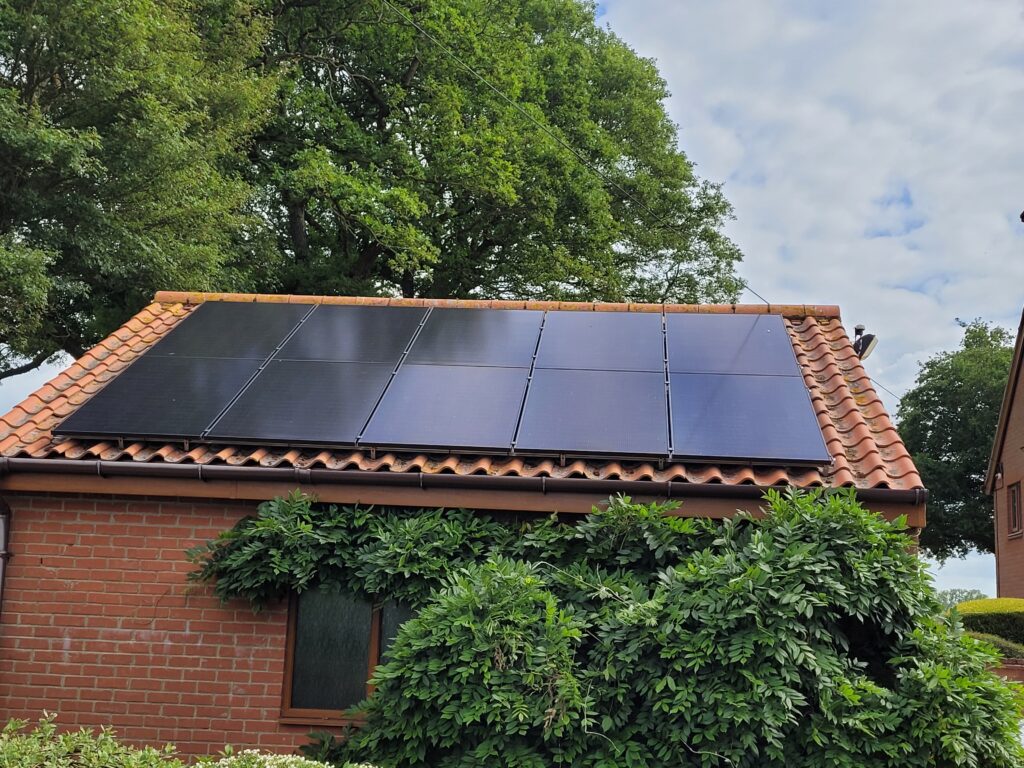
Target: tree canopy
[(948, 422), (120, 122), (442, 148)]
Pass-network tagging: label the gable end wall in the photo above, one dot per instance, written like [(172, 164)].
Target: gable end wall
[(1010, 550)]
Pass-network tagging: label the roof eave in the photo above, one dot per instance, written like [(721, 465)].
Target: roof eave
[(532, 494)]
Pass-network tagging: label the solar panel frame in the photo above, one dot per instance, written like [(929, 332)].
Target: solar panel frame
[(224, 329), (437, 399), (612, 413), (724, 343), (460, 336), (354, 333), (329, 409), (770, 418), (602, 341), (156, 390)]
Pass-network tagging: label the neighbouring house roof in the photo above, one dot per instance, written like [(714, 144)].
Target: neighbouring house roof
[(867, 451), (1004, 411)]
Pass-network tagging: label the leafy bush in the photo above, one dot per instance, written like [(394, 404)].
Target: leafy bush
[(810, 637), (1005, 648), (252, 758), (43, 747), (999, 616)]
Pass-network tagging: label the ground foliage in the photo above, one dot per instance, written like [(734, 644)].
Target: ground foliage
[(634, 638), (948, 422)]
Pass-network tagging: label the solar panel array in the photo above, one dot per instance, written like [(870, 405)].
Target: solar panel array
[(562, 383)]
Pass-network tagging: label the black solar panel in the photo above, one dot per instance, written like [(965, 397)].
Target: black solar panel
[(231, 329), (599, 412), (305, 402), (755, 418), (354, 334), (504, 337), (467, 380), (746, 344), (433, 406), (602, 341), (169, 397)]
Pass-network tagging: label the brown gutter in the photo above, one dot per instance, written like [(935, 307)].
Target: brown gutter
[(420, 480)]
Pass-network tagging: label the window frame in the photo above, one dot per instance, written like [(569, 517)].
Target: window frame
[(330, 717), (1014, 521)]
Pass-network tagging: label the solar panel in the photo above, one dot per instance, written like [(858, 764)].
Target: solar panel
[(433, 406), (505, 337), (304, 402), (354, 334), (750, 418), (750, 344), (231, 329), (170, 397), (603, 341), (602, 412)]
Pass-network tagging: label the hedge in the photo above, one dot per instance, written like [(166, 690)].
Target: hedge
[(999, 616), (1007, 649), (634, 638)]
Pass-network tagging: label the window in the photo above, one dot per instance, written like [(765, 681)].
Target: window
[(1013, 509), (334, 643)]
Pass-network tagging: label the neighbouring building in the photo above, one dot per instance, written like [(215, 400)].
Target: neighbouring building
[(1003, 482), (204, 405)]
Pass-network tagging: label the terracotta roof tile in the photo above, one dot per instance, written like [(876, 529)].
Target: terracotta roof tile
[(867, 452)]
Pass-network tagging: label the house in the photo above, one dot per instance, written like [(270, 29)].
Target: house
[(1003, 481), (112, 470)]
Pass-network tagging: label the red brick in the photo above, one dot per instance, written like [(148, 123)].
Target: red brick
[(97, 627)]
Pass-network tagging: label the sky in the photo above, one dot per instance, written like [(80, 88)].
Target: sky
[(872, 152)]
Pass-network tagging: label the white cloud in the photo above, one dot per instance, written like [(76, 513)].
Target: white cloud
[(872, 153)]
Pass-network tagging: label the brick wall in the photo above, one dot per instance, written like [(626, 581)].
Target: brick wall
[(99, 625), (1010, 550)]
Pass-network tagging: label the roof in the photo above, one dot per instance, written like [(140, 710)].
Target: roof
[(1004, 410), (866, 449)]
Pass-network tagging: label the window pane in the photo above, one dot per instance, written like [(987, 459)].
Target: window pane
[(393, 615), (332, 651)]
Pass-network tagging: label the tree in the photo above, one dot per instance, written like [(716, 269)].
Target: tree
[(950, 598), (390, 167), (948, 422), (460, 148), (121, 126)]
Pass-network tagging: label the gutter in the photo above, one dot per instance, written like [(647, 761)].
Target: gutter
[(294, 475)]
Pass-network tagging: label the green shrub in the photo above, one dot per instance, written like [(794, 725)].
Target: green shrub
[(1005, 648), (999, 616), (43, 747), (811, 637), (251, 758)]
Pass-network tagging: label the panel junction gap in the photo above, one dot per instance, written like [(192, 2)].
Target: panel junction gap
[(391, 378), (257, 372), (529, 381), (668, 384)]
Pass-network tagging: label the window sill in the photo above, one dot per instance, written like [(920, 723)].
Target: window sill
[(314, 718), (1015, 535)]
